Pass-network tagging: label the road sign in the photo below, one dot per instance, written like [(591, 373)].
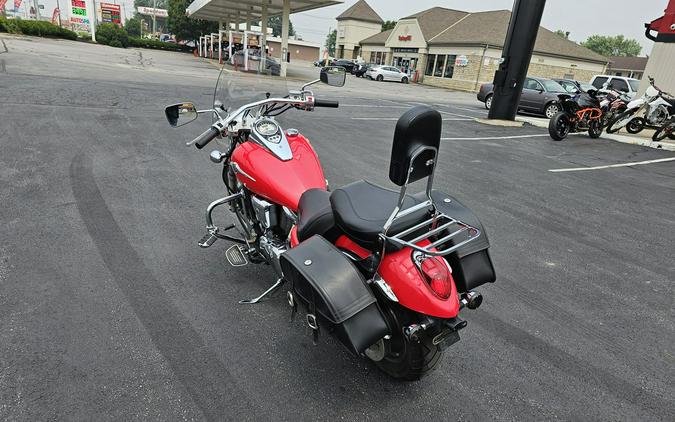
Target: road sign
[(110, 13)]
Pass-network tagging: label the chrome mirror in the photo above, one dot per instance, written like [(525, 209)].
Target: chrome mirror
[(180, 114), (333, 75)]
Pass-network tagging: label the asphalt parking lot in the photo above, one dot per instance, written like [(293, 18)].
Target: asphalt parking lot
[(110, 311)]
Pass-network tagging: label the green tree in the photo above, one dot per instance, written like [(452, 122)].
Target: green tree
[(275, 23), (185, 28), (387, 25), (330, 42), (564, 34), (133, 26), (613, 46)]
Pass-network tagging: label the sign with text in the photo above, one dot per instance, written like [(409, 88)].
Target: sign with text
[(110, 13), (405, 37), (462, 61), (79, 16), (160, 13)]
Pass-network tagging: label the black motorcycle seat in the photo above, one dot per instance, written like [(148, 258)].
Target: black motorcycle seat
[(361, 209), (316, 215)]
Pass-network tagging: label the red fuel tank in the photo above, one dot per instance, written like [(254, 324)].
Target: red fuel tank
[(280, 181)]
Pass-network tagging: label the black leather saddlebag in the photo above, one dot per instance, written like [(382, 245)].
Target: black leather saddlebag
[(334, 292), (471, 264)]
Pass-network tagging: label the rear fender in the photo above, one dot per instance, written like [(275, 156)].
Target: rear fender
[(399, 271)]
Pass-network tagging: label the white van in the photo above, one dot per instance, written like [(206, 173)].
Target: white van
[(619, 83)]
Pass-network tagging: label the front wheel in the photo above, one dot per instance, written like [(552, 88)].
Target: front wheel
[(665, 131), (404, 80), (635, 125), (595, 129), (406, 359), (488, 102), (620, 121), (559, 126), (380, 78)]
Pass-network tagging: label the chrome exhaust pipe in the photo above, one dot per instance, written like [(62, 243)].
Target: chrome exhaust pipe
[(471, 300)]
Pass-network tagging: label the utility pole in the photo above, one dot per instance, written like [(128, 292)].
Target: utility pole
[(154, 17), (58, 6), (92, 20), (516, 56)]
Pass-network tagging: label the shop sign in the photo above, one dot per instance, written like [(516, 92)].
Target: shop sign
[(405, 37), (462, 61), (79, 16), (110, 13), (160, 13)]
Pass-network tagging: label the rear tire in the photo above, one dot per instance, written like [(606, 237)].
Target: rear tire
[(559, 126), (635, 125), (488, 101), (405, 80), (405, 359), (380, 78)]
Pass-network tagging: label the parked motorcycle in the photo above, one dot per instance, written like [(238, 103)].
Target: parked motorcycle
[(665, 131), (652, 110), (612, 103), (580, 112), (385, 272)]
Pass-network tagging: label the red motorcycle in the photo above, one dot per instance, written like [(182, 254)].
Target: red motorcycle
[(385, 272)]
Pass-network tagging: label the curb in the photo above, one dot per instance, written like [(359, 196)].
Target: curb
[(645, 142)]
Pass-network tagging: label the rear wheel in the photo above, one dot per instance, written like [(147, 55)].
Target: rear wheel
[(559, 126), (380, 78), (406, 359), (595, 129), (488, 101), (404, 80), (635, 125)]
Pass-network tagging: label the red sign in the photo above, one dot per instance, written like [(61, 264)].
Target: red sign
[(2, 4), (111, 13), (17, 3), (405, 37)]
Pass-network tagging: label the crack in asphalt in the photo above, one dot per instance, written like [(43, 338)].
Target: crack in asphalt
[(209, 383)]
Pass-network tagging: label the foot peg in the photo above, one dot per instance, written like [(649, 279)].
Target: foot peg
[(235, 256), (208, 240), (267, 292)]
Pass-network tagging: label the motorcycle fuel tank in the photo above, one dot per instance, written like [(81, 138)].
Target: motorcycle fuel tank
[(277, 180)]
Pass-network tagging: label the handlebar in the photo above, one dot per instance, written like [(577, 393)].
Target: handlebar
[(326, 103), (202, 140)]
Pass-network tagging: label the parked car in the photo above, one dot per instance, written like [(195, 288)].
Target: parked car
[(322, 63), (573, 86), (361, 70), (387, 73), (347, 64), (628, 86), (272, 67), (540, 95)]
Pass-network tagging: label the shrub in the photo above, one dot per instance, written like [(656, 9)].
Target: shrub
[(157, 45), (108, 33), (37, 28)]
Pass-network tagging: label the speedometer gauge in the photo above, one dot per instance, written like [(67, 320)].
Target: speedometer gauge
[(266, 128)]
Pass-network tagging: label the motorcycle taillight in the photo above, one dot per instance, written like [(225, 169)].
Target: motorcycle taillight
[(438, 275)]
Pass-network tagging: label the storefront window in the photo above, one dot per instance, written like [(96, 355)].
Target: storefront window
[(449, 66), (440, 65), (431, 58), (372, 57)]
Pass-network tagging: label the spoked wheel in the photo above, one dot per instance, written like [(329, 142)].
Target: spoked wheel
[(595, 129), (559, 126), (551, 110), (665, 131), (400, 357)]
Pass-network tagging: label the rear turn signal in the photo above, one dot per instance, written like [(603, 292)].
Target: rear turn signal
[(438, 276)]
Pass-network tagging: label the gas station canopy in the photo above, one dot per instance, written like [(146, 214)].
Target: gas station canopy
[(251, 10)]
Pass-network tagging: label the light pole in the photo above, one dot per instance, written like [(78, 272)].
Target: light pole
[(58, 6), (154, 17)]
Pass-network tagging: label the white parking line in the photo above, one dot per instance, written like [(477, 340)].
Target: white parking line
[(396, 118), (635, 163), (498, 137)]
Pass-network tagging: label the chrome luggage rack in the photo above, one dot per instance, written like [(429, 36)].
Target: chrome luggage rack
[(460, 233)]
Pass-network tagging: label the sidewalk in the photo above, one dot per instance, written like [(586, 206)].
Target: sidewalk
[(643, 138)]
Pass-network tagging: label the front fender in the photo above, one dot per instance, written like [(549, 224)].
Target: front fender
[(411, 289)]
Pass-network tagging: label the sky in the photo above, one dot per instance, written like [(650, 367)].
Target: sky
[(580, 18)]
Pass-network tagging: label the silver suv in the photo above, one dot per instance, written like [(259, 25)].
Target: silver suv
[(629, 86)]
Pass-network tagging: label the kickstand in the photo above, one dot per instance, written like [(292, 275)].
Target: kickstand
[(267, 292)]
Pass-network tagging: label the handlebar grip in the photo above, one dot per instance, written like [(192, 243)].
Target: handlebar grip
[(326, 103), (202, 140)]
